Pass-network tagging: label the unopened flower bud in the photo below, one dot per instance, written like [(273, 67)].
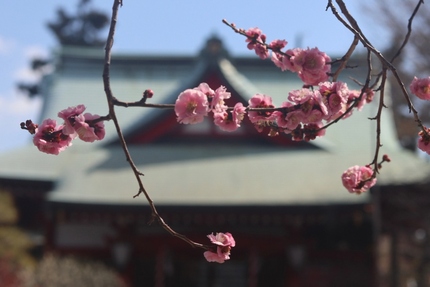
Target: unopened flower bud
[(29, 126), (386, 158), (148, 93)]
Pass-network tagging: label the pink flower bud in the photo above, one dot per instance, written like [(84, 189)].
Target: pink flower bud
[(148, 93)]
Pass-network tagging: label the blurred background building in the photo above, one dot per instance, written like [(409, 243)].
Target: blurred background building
[(294, 223)]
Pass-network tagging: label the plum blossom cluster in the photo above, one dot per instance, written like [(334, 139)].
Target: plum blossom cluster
[(308, 109), (311, 65), (358, 179), (303, 115), (52, 138), (223, 242), (193, 105), (420, 87)]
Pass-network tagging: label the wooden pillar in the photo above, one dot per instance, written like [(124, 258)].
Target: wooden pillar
[(253, 267), (159, 267), (394, 260)]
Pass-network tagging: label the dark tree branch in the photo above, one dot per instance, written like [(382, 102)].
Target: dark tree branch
[(110, 100)]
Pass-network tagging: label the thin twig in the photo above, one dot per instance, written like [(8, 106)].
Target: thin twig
[(345, 58), (377, 53), (379, 119), (408, 34)]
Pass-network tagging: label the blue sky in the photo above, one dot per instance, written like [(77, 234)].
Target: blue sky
[(161, 27)]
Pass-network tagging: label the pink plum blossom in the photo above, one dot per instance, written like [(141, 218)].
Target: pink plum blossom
[(230, 121), (261, 51), (49, 138), (205, 89), (310, 104), (294, 119), (313, 66), (224, 242), (289, 63), (214, 257), (335, 96), (300, 96), (314, 109), (260, 118), (254, 38), (280, 116), (424, 140), (290, 118), (277, 57), (77, 124), (280, 61), (191, 106), (278, 45), (88, 131), (420, 87), (314, 116), (217, 103), (358, 179), (222, 239), (69, 115), (283, 61)]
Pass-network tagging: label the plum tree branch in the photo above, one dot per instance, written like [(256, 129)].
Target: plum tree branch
[(111, 104), (355, 29)]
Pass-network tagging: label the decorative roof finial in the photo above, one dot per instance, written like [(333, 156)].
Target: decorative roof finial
[(214, 48)]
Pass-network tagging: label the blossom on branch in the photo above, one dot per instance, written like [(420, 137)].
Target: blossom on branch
[(334, 96), (87, 130), (224, 242), (217, 103), (230, 121), (49, 138), (69, 116), (288, 120), (205, 89), (52, 139), (84, 126), (358, 179), (255, 38), (313, 66), (424, 140), (420, 87), (286, 62), (277, 45), (191, 106), (260, 118), (310, 104)]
